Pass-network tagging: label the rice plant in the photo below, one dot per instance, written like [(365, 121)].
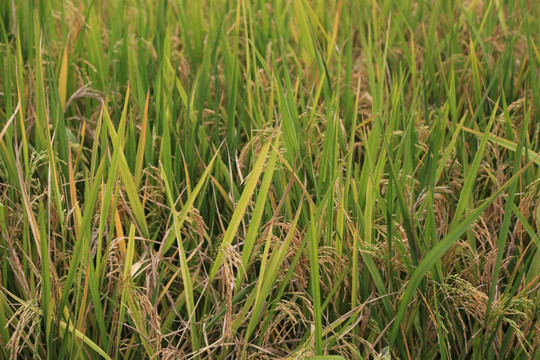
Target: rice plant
[(302, 179)]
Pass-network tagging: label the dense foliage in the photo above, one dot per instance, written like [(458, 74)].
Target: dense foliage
[(283, 179)]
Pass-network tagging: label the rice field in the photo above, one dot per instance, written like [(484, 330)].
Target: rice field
[(282, 179)]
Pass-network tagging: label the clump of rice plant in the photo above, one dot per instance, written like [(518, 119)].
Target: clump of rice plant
[(269, 180)]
